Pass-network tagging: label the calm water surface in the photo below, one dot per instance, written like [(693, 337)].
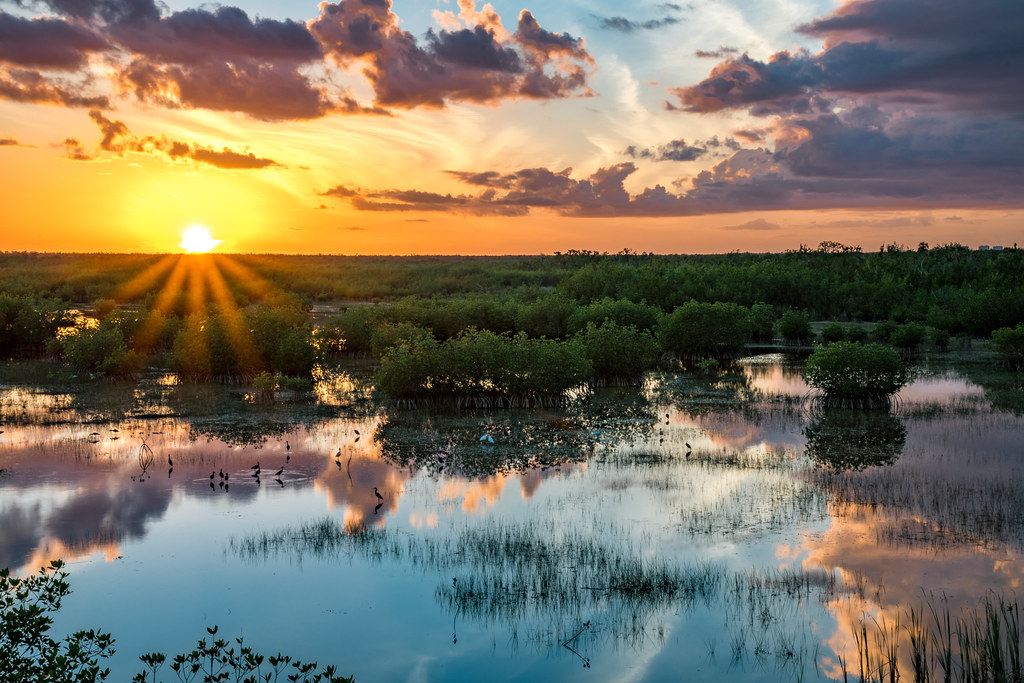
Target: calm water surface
[(706, 527)]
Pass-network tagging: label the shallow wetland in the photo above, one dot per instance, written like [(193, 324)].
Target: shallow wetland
[(709, 526)]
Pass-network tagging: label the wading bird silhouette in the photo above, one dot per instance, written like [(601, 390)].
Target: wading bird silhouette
[(377, 493), (279, 472)]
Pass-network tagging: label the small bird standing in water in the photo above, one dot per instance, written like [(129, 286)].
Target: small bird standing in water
[(377, 493), (279, 472)]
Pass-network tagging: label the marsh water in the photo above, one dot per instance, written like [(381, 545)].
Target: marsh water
[(705, 526)]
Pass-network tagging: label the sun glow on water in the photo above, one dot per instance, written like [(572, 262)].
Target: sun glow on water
[(197, 240)]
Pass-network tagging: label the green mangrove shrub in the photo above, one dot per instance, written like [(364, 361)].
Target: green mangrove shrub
[(618, 355), (795, 327), (389, 335), (481, 368), (546, 316), (1008, 342), (908, 338), (622, 312), (833, 332), (762, 322), (698, 329), (855, 375), (98, 349)]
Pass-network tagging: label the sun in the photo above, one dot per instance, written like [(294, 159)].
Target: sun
[(196, 240)]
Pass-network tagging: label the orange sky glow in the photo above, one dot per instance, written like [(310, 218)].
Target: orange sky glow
[(470, 128)]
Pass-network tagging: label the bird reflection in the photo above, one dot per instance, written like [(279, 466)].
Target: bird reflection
[(377, 508)]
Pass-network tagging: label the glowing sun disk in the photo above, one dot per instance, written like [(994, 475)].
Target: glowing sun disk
[(197, 240)]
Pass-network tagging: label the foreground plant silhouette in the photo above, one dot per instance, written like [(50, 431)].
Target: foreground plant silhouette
[(29, 653)]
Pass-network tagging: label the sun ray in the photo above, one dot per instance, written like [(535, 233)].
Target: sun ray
[(238, 331), (254, 284), (153, 325), (196, 286), (146, 280)]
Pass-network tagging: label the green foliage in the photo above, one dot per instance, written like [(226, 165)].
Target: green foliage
[(795, 326), (618, 355), (1008, 342), (99, 349), (266, 384), (218, 660), (281, 337), (938, 338), (851, 374), (909, 337), (546, 316), (27, 650), (27, 323), (856, 333), (104, 307), (349, 330), (697, 329), (622, 312), (230, 345), (480, 367), (389, 335), (833, 332), (883, 331), (762, 322)]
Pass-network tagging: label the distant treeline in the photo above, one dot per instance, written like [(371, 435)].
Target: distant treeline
[(239, 316), (949, 287)]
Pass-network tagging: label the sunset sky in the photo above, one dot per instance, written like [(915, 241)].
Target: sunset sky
[(434, 126)]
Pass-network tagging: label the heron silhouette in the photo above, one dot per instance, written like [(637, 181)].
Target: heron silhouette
[(377, 493), (279, 472), (256, 466), (287, 446)]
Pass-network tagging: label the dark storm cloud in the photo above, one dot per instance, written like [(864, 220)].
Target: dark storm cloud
[(46, 43), (28, 85), (676, 150), (220, 58), (901, 108), (889, 50), (624, 25), (117, 138), (863, 158), (480, 63)]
